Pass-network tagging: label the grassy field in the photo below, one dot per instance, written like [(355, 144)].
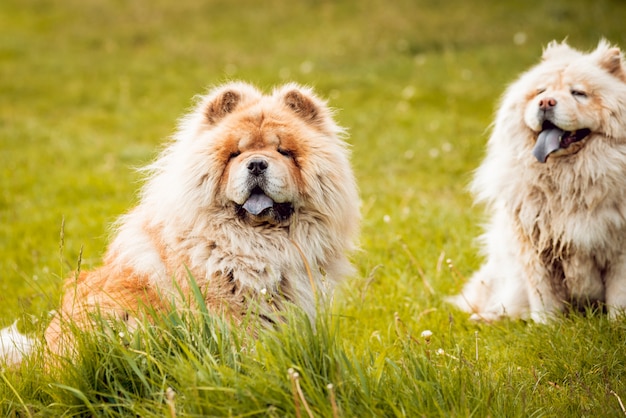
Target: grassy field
[(90, 89)]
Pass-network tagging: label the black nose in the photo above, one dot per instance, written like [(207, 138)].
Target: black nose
[(257, 166)]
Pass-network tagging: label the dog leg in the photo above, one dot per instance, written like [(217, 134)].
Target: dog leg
[(615, 288), (583, 281), (543, 301)]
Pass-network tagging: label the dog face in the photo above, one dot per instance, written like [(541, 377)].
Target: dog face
[(265, 157), (262, 178), (565, 94), (563, 112)]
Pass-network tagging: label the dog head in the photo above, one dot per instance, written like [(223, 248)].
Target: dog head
[(264, 158), (570, 98)]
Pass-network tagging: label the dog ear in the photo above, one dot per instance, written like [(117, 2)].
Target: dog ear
[(611, 59), (301, 105), (225, 99), (222, 105), (303, 102)]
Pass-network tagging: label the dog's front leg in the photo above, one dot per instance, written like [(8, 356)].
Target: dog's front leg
[(543, 301), (615, 287)]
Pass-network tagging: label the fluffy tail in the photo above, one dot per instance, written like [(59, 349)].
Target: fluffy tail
[(14, 345)]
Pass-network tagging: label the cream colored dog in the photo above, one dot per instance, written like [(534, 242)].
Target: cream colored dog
[(554, 183)]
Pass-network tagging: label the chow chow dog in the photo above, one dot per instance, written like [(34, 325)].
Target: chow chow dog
[(554, 183), (254, 199)]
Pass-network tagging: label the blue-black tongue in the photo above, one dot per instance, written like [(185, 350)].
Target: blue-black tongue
[(548, 141), (257, 203)]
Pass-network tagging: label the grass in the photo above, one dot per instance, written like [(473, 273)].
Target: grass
[(91, 88)]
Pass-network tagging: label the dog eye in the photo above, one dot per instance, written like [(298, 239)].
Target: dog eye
[(285, 152), (539, 91), (234, 155), (578, 93)]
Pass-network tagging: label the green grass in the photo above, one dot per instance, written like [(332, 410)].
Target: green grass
[(90, 89)]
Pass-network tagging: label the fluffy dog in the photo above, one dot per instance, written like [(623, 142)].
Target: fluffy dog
[(553, 181), (254, 199)]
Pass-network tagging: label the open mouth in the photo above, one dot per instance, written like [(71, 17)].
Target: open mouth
[(552, 138), (262, 206)]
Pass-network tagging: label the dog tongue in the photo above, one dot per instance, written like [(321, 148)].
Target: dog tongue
[(548, 141), (257, 203)]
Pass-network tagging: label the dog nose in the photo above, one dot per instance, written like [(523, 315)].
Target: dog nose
[(257, 166), (547, 103)]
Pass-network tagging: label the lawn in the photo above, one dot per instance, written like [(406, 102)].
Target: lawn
[(89, 90)]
